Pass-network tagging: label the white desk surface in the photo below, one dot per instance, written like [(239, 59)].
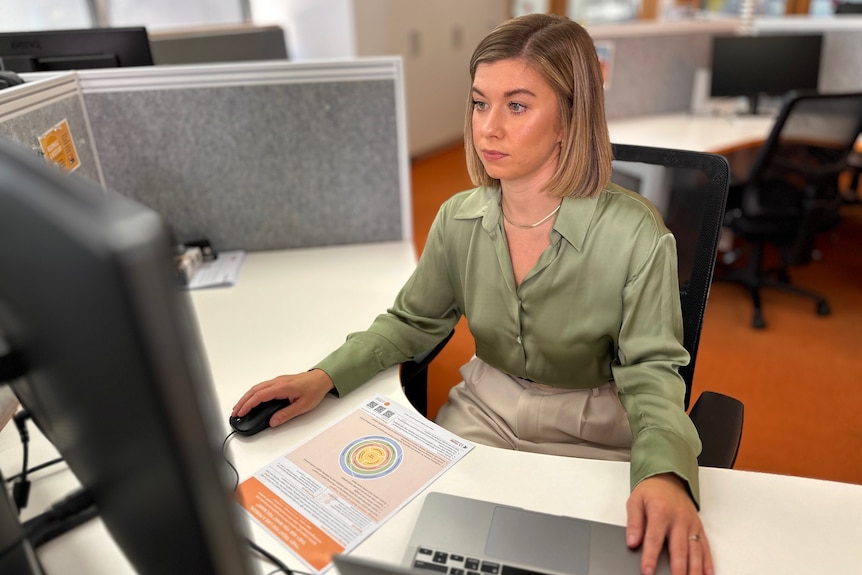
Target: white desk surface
[(292, 307), (716, 134)]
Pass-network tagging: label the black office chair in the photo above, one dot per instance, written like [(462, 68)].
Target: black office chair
[(791, 193), (848, 8), (690, 189), (854, 176)]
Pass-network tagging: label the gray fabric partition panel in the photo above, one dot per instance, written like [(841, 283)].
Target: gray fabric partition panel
[(35, 120), (841, 61), (258, 167), (655, 74)]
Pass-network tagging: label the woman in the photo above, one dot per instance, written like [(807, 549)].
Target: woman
[(568, 284)]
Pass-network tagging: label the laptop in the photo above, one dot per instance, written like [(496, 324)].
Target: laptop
[(458, 535)]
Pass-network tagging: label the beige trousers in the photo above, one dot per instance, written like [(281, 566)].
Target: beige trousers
[(496, 409)]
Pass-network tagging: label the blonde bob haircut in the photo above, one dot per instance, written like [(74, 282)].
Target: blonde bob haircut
[(563, 53)]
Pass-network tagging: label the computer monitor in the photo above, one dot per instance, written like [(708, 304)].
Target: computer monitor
[(111, 367), (771, 65), (218, 44), (56, 50)]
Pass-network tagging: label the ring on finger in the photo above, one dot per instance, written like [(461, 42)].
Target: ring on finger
[(695, 537)]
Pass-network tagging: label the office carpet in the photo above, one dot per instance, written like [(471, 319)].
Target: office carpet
[(800, 378)]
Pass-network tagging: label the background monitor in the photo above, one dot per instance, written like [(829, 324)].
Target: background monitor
[(204, 45), (772, 65), (115, 377), (56, 50)]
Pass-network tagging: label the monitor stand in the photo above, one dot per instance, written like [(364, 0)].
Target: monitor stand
[(753, 104)]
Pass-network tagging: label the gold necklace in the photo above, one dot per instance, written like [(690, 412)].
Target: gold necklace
[(528, 226)]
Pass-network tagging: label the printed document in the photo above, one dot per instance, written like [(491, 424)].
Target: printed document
[(328, 494), (220, 272)]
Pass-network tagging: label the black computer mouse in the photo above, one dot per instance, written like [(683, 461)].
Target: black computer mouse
[(9, 79), (258, 418)]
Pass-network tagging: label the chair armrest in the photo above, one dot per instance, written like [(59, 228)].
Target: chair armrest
[(414, 375), (718, 419)]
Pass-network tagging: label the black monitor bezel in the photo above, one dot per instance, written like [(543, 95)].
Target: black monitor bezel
[(752, 66), (116, 376), (77, 49)]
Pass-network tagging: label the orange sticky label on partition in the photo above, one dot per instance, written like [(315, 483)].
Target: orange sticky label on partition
[(286, 523), (59, 147)]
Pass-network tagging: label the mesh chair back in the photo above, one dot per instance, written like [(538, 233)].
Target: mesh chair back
[(690, 191), (810, 140), (794, 178)]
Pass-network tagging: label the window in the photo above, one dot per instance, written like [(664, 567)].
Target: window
[(18, 15)]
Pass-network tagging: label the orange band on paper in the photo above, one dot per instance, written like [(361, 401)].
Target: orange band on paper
[(287, 524)]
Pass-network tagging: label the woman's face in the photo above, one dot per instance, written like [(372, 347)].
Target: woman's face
[(516, 130)]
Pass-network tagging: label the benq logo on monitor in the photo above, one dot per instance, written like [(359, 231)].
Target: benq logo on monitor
[(26, 45)]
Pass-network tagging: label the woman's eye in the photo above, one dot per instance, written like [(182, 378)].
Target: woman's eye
[(477, 105), (516, 107)]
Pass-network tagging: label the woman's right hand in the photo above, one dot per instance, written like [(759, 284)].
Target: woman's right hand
[(304, 390)]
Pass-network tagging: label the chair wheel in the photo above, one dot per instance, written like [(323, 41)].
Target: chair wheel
[(823, 308)]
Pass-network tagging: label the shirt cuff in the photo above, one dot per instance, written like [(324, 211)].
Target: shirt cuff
[(350, 366), (657, 451)]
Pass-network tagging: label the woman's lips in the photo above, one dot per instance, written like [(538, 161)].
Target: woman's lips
[(493, 155)]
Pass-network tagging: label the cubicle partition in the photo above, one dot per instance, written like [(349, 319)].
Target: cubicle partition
[(30, 111), (653, 65), (253, 156), (842, 60)]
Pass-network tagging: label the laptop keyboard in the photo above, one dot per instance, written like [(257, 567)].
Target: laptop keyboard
[(438, 561)]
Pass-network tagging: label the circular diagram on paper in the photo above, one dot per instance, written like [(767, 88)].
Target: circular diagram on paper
[(371, 457)]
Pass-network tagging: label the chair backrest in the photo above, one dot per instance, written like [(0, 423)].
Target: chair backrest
[(794, 179), (848, 8), (810, 140), (690, 190)]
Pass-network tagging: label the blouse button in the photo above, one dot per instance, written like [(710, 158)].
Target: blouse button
[(519, 340)]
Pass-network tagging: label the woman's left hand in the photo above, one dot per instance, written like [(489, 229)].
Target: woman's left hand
[(660, 509)]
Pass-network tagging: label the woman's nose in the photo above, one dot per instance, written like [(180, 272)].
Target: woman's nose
[(491, 124)]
